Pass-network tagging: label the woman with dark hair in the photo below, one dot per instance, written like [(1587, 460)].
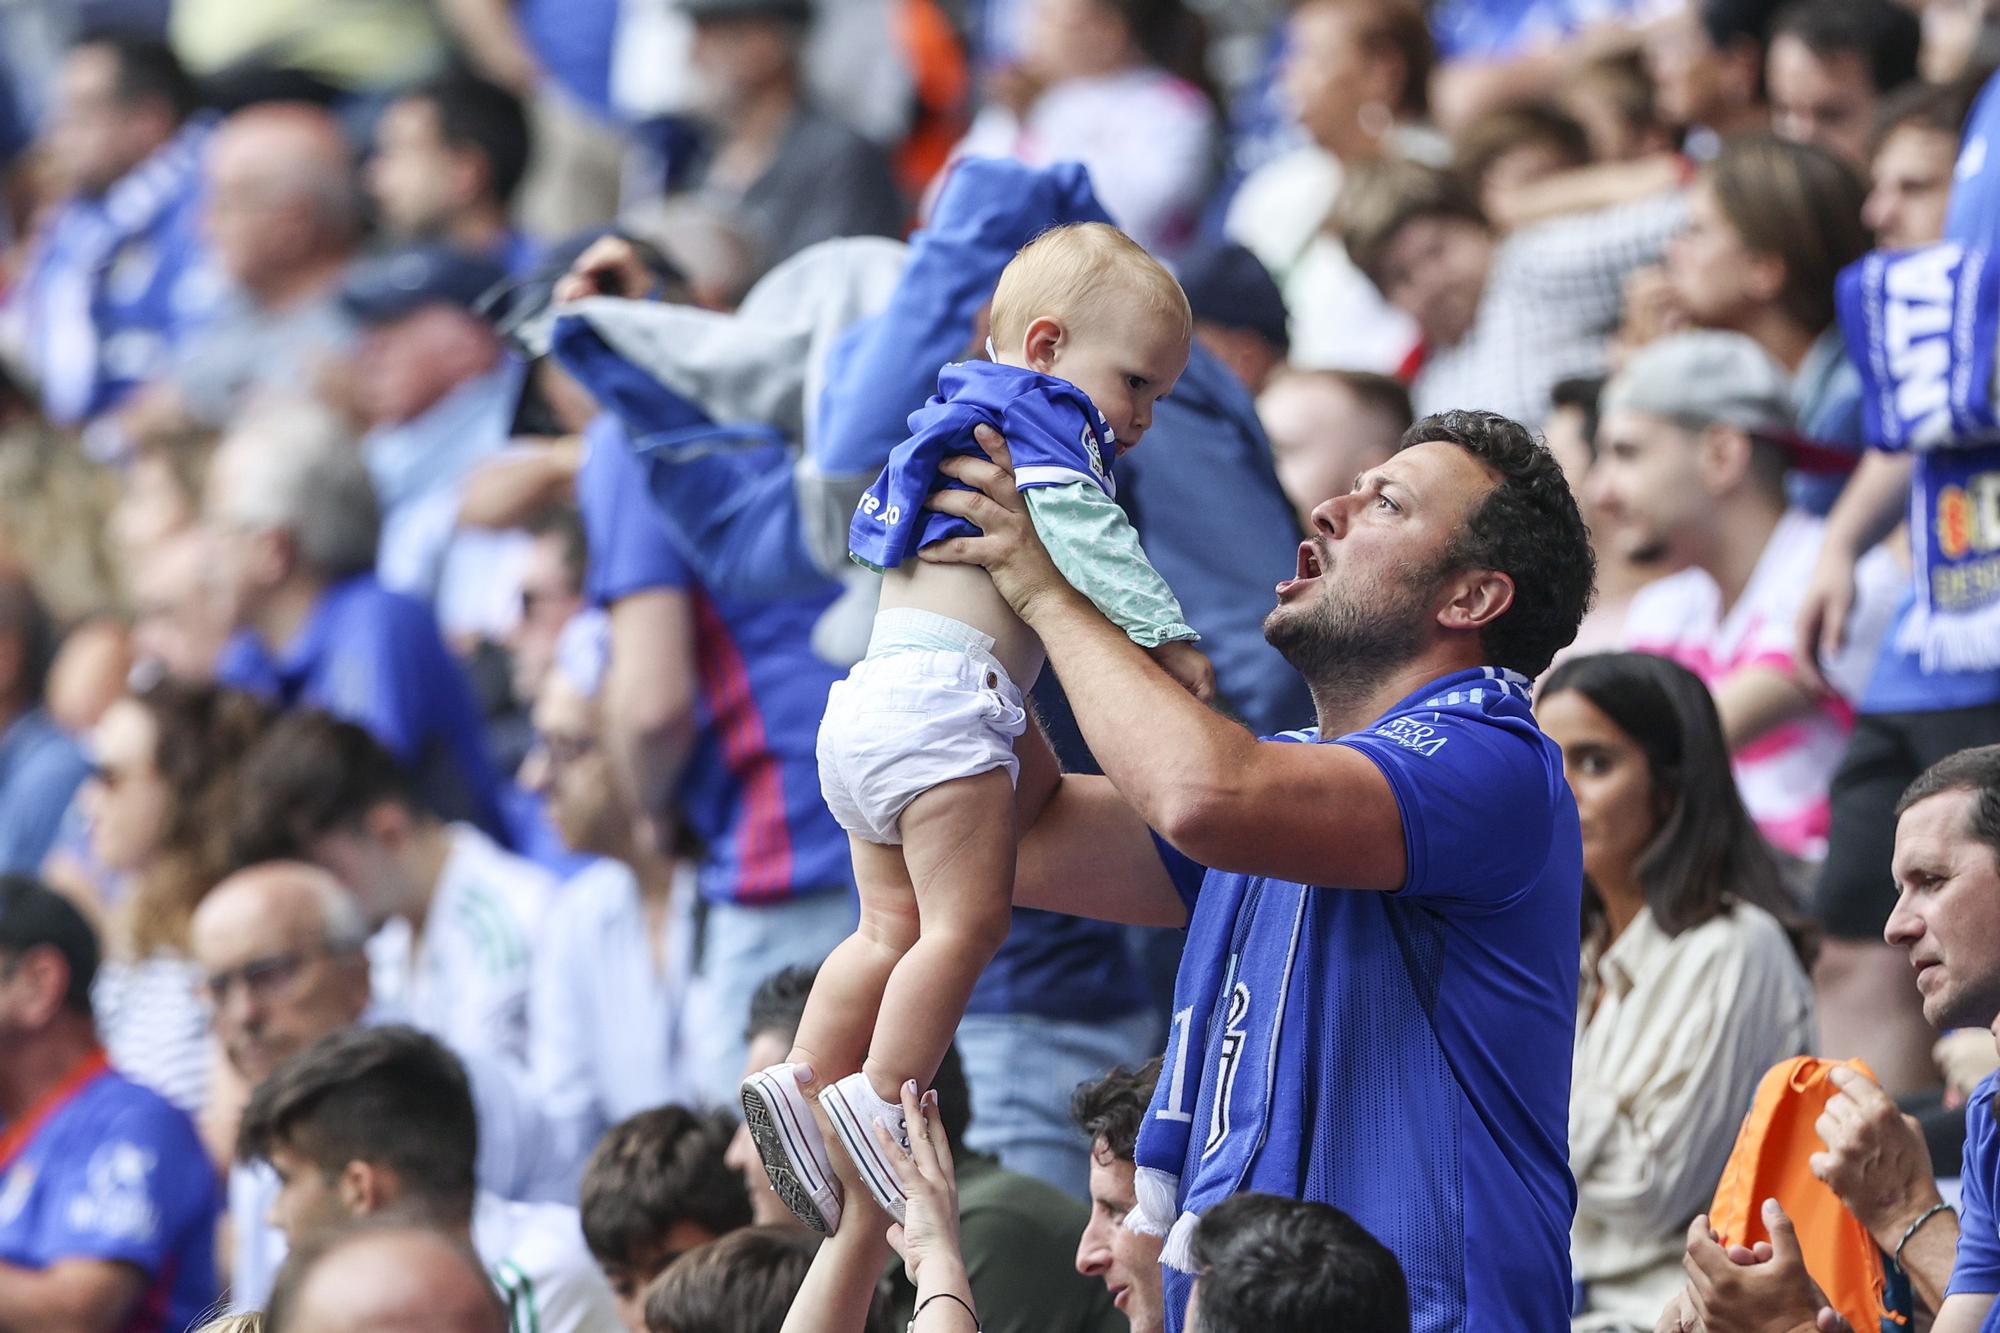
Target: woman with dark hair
[(158, 800), (1693, 983)]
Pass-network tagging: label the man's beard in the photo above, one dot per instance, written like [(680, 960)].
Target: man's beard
[(1344, 644)]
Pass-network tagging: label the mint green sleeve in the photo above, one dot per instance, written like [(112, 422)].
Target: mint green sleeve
[(1093, 544)]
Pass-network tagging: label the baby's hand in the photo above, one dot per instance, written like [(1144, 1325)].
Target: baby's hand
[(1186, 664)]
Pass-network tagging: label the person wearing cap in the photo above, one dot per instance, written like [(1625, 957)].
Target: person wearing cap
[(107, 1201), (438, 393), (1239, 313), (1690, 471), (793, 171)]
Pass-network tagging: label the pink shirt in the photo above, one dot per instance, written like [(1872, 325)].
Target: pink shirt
[(1783, 774)]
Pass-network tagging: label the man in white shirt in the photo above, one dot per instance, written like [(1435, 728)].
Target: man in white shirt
[(455, 917), (1690, 473), (380, 1120), (280, 948)]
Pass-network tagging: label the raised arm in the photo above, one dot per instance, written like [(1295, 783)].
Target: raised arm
[(1317, 814)]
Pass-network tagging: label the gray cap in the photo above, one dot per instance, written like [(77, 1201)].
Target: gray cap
[(1705, 377)]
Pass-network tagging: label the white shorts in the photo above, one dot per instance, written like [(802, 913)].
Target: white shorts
[(928, 704)]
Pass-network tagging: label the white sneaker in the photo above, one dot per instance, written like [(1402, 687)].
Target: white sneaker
[(781, 1123), (853, 1109)]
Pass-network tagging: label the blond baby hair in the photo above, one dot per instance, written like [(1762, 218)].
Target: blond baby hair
[(1080, 274)]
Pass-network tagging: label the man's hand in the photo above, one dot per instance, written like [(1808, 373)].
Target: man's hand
[(1964, 1057), (1188, 665), (1008, 547), (1823, 612), (1766, 1290), (1875, 1157), (612, 266)]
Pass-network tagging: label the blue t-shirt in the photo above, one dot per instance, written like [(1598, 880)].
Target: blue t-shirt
[(1055, 437), (1900, 684), (40, 770), (751, 788), (572, 40), (1977, 1268), (376, 658), (118, 1174), (1406, 1056)]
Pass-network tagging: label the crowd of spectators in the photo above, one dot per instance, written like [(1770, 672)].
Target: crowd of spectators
[(428, 434)]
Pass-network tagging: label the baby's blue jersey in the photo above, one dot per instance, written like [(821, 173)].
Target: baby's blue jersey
[(1055, 436)]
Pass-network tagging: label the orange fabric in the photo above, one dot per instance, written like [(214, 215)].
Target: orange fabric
[(943, 86), (1770, 1161)]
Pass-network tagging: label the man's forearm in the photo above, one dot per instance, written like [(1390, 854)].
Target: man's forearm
[(1156, 742), (81, 1296)]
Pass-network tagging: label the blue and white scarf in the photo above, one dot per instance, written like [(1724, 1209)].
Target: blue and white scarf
[(1923, 326), (114, 282)]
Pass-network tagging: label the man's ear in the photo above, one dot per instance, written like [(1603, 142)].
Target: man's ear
[(1722, 457), (1478, 598), (365, 1188), (389, 824), (1043, 343)]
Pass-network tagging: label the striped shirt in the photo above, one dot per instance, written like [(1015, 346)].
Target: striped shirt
[(154, 1027)]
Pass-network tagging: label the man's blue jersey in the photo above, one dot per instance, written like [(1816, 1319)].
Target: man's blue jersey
[(117, 1174), (750, 790), (1403, 1056)]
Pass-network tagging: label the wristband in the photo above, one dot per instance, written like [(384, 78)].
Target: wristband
[(1911, 1230), (944, 1296)]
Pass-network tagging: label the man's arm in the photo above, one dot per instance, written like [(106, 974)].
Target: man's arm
[(649, 699), (1212, 789), (1757, 699), (1876, 1162), (73, 1296), (1964, 1313)]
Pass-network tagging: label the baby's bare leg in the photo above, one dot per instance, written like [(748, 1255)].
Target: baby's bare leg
[(958, 845), (840, 1012)]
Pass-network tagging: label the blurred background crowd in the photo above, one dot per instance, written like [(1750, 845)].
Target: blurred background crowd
[(356, 672)]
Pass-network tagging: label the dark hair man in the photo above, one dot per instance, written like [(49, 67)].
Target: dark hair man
[(449, 157), (1110, 1111), (376, 1121), (1830, 63), (107, 1201), (1272, 1265), (656, 1187), (321, 790), (1420, 607)]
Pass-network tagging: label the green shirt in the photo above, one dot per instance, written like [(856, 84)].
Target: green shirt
[(1093, 544), (1019, 1236)]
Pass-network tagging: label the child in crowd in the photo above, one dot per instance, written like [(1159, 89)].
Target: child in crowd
[(916, 750)]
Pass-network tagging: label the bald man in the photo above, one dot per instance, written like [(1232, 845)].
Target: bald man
[(282, 948), (386, 1279), (282, 219)]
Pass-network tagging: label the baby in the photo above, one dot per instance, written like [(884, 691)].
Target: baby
[(916, 751)]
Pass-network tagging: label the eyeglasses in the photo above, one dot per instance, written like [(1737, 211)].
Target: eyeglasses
[(261, 978), (563, 751)]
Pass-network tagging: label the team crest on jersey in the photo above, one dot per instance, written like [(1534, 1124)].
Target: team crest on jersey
[(1093, 453)]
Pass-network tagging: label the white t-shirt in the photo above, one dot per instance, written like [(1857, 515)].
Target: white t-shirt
[(610, 1029), (1146, 137), (1783, 775), (1338, 319), (535, 1254), (466, 979)]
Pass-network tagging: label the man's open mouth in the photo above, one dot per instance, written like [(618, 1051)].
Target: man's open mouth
[(1310, 568)]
